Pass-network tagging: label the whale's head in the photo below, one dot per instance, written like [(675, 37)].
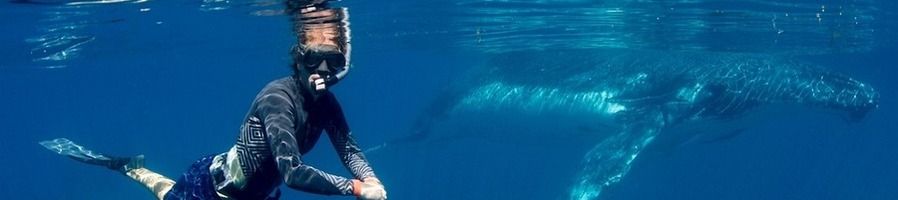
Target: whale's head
[(748, 81), (843, 93)]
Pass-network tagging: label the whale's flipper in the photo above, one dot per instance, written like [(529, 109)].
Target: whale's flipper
[(66, 147), (609, 161)]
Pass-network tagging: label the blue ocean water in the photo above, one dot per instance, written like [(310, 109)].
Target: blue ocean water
[(173, 80)]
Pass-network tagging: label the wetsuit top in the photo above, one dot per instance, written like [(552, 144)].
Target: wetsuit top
[(283, 124)]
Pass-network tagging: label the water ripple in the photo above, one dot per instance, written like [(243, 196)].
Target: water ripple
[(104, 2), (75, 3), (66, 28), (253, 7), (812, 27), (57, 47)]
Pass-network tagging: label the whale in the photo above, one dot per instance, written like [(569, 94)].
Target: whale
[(621, 100)]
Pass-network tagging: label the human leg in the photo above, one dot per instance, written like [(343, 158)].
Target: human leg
[(158, 184), (130, 166)]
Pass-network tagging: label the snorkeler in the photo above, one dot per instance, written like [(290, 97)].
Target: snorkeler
[(284, 122)]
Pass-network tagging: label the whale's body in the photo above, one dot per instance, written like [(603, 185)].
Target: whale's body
[(633, 96)]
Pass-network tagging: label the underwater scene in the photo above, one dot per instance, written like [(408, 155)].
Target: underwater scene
[(449, 99)]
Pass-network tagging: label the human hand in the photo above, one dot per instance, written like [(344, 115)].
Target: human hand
[(373, 180), (370, 189), (317, 81)]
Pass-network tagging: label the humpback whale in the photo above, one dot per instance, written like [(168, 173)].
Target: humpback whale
[(631, 96)]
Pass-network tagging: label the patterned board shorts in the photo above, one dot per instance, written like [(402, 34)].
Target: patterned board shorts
[(195, 183)]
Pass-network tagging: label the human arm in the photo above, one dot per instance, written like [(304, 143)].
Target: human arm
[(277, 110), (341, 137), (344, 143)]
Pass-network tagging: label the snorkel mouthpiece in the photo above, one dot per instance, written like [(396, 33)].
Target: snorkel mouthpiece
[(329, 63), (324, 37)]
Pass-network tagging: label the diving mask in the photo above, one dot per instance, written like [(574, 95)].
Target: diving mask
[(332, 71)]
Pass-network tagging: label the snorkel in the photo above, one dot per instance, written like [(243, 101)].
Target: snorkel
[(326, 61), (324, 38)]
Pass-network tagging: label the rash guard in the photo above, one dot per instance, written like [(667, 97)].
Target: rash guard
[(283, 124)]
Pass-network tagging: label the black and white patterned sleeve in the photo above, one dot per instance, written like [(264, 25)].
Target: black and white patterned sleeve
[(345, 144), (277, 112)]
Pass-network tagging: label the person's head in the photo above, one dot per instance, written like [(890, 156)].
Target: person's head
[(324, 47)]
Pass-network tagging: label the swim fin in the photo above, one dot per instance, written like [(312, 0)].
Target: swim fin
[(66, 147)]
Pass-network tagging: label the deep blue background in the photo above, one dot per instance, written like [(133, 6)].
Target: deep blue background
[(173, 83)]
